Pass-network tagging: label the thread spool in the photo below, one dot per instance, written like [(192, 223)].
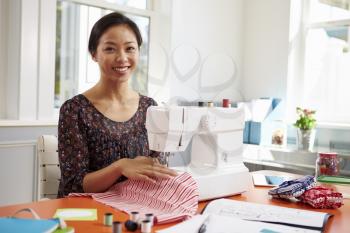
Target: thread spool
[(108, 219), (117, 227), (134, 216), (226, 103), (146, 226), (200, 104), (210, 104), (150, 217)]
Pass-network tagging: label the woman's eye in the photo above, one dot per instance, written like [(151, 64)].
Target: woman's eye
[(130, 49), (109, 49)]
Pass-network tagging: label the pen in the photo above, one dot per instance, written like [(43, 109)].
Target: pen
[(203, 226)]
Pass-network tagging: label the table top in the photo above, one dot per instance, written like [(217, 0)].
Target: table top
[(46, 209)]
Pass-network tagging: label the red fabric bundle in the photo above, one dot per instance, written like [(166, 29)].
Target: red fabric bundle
[(322, 198)]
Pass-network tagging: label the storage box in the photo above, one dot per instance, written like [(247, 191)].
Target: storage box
[(246, 131), (265, 126)]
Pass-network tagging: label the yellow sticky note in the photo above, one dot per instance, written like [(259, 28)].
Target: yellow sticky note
[(76, 214)]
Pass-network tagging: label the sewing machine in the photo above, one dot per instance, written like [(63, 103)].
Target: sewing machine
[(217, 145)]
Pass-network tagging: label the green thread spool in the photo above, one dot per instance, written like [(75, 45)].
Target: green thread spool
[(108, 219)]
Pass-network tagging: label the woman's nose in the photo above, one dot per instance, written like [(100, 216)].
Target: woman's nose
[(121, 56)]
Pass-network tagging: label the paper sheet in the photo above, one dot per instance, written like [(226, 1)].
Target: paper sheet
[(225, 224), (268, 213)]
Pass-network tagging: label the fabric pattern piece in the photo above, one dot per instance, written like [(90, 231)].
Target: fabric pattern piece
[(322, 198), (89, 141), (293, 188), (168, 199)]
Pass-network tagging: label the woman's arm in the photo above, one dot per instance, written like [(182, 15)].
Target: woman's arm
[(72, 149), (140, 168)]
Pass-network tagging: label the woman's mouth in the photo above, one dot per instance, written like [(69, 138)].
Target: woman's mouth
[(121, 69)]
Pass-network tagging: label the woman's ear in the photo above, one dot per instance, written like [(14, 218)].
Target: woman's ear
[(93, 56)]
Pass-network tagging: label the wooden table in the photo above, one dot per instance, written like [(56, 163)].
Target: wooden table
[(339, 223)]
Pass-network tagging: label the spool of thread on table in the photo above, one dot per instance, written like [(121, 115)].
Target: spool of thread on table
[(134, 216), (108, 219), (146, 226), (117, 227), (150, 217), (200, 104)]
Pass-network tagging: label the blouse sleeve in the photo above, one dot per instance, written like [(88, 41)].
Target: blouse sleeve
[(72, 149)]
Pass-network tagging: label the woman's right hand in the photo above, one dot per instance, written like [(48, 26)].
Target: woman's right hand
[(144, 168)]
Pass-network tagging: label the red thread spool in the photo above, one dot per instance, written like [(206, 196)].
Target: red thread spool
[(226, 103)]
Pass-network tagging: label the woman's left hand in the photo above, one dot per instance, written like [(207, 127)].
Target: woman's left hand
[(145, 168)]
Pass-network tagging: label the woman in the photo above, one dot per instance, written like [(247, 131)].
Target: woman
[(101, 133)]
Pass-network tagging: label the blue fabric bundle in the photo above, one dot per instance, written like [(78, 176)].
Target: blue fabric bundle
[(293, 188)]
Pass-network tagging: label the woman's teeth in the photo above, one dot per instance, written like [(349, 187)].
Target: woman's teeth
[(120, 69)]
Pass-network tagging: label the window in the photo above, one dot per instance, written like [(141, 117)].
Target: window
[(75, 70), (327, 60)]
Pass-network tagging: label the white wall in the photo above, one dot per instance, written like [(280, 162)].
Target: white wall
[(206, 50), (254, 33), (18, 162), (160, 37), (266, 34), (3, 52)]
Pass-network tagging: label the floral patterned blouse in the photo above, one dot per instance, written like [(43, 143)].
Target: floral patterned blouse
[(88, 141)]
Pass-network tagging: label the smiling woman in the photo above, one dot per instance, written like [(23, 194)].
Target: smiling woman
[(74, 73), (102, 138)]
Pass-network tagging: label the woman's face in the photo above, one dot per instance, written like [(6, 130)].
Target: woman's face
[(117, 53)]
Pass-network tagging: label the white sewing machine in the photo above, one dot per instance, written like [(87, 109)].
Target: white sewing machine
[(217, 145)]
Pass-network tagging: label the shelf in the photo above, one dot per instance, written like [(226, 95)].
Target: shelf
[(294, 149)]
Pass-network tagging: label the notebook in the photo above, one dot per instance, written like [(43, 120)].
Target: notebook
[(20, 225)]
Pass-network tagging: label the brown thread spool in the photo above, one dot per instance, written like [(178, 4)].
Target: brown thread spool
[(117, 227)]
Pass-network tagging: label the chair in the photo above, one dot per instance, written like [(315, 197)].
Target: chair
[(48, 173)]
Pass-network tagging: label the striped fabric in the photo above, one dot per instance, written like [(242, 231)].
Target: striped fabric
[(168, 199)]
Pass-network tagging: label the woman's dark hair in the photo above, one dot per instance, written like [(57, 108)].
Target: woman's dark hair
[(107, 21)]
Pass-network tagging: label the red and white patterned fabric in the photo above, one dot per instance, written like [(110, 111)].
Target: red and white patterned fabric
[(322, 198), (168, 199)]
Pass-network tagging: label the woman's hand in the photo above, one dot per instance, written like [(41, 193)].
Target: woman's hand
[(144, 168)]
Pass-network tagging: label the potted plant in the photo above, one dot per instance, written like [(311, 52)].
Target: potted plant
[(306, 124)]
